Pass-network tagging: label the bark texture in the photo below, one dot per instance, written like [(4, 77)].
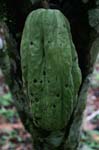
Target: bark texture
[(84, 20)]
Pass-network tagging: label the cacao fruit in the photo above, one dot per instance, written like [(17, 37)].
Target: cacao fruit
[(50, 72)]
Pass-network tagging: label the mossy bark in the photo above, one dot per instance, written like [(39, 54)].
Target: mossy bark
[(88, 50), (8, 52)]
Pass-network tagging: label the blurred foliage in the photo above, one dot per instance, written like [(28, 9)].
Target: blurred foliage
[(12, 133), (90, 137)]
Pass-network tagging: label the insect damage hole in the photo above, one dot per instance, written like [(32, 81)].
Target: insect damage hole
[(49, 41), (44, 73), (75, 59), (24, 67), (36, 99), (48, 81), (41, 81), (66, 85), (54, 106), (57, 95), (35, 80), (31, 43), (32, 94)]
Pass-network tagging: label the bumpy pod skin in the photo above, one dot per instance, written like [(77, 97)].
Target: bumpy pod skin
[(50, 71)]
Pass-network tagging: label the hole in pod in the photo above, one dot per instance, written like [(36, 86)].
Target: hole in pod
[(75, 58), (22, 98), (48, 81), (36, 99), (41, 81), (32, 94), (42, 40), (49, 41), (31, 43), (24, 67), (44, 73), (57, 95), (66, 85), (35, 81), (54, 105)]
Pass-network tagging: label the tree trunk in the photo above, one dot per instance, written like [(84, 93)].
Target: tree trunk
[(82, 17)]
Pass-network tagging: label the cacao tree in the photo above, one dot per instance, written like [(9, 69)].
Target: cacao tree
[(83, 32)]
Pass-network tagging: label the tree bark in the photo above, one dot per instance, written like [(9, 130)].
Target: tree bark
[(87, 48)]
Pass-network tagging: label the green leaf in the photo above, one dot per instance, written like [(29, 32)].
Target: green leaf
[(5, 100)]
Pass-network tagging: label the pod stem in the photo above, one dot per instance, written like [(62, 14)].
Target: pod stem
[(45, 4)]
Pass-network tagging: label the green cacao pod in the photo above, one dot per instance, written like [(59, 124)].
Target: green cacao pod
[(50, 71)]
